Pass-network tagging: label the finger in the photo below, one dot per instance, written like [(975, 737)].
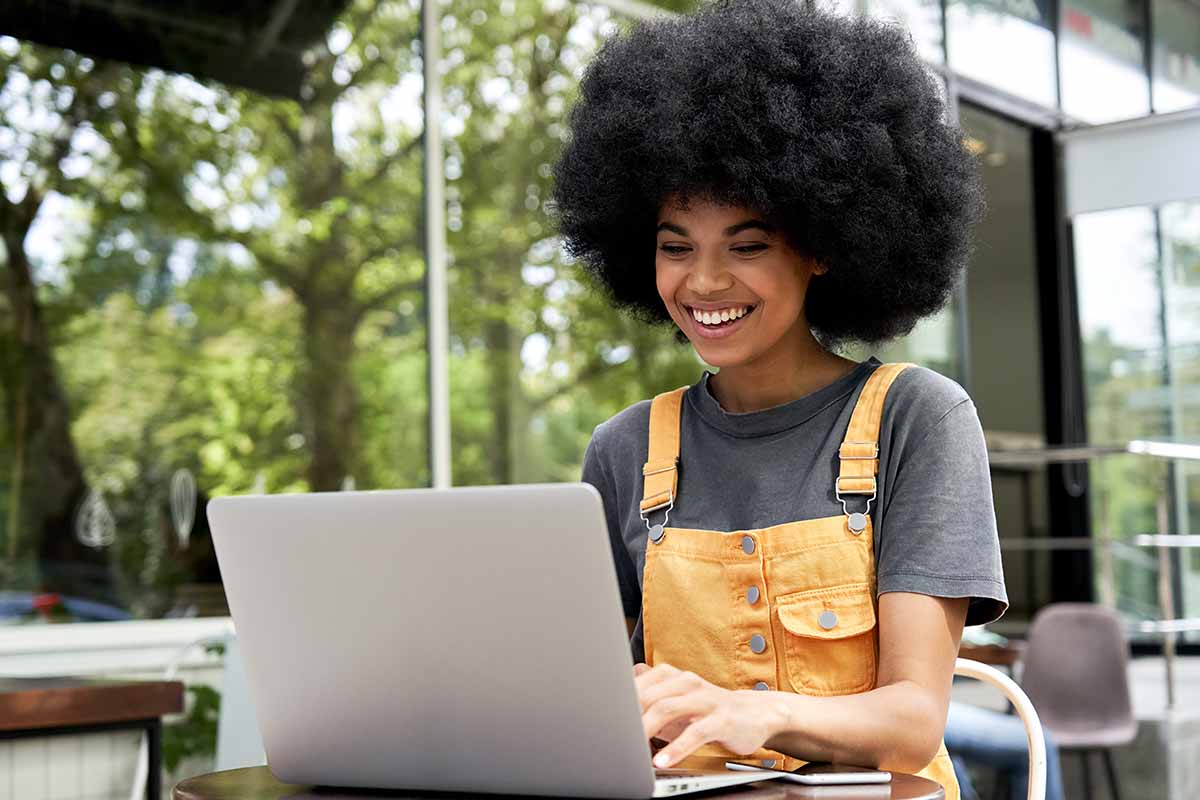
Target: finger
[(679, 683), (676, 708), (699, 733), (672, 730), (639, 668), (653, 675)]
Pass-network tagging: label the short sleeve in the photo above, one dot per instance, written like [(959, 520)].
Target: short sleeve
[(595, 473), (938, 531)]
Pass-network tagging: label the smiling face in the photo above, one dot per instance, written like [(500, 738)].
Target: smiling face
[(731, 282)]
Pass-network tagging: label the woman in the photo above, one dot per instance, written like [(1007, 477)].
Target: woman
[(799, 538)]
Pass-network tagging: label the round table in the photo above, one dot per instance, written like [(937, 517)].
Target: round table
[(257, 783)]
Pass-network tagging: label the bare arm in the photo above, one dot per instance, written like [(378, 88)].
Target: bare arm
[(899, 724)]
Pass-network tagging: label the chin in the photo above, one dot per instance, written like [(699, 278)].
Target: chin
[(720, 357)]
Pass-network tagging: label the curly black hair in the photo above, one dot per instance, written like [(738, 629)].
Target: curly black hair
[(829, 126)]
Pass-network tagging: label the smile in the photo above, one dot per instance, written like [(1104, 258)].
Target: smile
[(718, 322)]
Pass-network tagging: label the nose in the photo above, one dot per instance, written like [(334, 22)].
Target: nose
[(708, 276)]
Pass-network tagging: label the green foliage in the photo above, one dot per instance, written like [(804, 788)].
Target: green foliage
[(196, 733), (233, 284), (238, 289)]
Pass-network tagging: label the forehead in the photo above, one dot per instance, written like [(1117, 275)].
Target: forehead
[(700, 218)]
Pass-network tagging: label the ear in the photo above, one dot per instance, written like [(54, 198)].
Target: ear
[(819, 268)]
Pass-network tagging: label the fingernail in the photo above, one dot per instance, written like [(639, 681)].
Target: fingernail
[(660, 760)]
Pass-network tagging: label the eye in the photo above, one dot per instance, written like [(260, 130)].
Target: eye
[(750, 248), (673, 249)]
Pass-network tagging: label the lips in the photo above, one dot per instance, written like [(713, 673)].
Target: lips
[(723, 329)]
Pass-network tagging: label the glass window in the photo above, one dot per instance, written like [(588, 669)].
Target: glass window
[(1102, 60), (537, 358), (1139, 301), (1176, 27), (1008, 44), (204, 290), (921, 18), (932, 343), (1181, 285), (1003, 342)]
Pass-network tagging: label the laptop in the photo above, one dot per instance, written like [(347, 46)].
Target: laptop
[(466, 640)]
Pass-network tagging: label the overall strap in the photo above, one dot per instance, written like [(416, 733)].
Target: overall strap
[(661, 472), (859, 453)]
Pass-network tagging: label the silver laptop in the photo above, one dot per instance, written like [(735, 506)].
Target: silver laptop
[(457, 639)]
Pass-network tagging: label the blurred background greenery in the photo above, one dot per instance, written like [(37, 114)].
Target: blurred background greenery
[(213, 281), (203, 277)]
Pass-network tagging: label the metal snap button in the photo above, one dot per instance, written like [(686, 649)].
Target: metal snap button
[(768, 762), (656, 533), (857, 522), (752, 595), (758, 643), (827, 620), (761, 686), (748, 545)]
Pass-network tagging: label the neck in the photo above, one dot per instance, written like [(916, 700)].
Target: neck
[(793, 369)]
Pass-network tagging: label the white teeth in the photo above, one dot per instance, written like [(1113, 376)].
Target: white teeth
[(717, 317)]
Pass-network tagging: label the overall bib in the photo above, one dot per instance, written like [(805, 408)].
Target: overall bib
[(791, 607)]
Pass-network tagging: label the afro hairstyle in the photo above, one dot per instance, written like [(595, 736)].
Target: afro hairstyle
[(829, 126)]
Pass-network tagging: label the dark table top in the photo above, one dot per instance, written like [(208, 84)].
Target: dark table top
[(35, 703), (257, 783), (1005, 655)]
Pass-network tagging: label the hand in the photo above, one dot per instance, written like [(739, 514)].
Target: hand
[(688, 711)]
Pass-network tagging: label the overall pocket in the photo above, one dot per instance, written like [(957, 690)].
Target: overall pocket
[(830, 642)]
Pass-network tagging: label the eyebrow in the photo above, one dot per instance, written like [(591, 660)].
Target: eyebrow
[(732, 230)]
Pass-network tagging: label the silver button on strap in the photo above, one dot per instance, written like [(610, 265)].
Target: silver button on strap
[(655, 532)]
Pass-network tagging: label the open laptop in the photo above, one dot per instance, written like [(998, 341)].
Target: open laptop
[(440, 639)]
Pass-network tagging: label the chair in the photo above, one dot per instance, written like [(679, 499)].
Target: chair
[(1076, 674), (1025, 709)]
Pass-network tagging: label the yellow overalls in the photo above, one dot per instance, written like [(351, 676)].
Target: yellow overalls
[(791, 607)]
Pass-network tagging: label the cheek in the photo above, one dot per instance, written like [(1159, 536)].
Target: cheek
[(785, 289), (666, 280)]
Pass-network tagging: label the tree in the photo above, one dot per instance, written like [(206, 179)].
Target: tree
[(237, 283), (47, 105), (533, 343), (323, 193)]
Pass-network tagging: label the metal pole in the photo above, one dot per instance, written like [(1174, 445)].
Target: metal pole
[(437, 309), (1166, 601)]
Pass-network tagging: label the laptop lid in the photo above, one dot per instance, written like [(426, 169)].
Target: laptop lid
[(466, 639)]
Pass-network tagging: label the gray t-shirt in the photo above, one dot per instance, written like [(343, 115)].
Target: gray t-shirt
[(935, 526)]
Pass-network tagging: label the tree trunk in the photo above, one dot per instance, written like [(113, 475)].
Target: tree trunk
[(504, 370), (48, 476), (331, 396)]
